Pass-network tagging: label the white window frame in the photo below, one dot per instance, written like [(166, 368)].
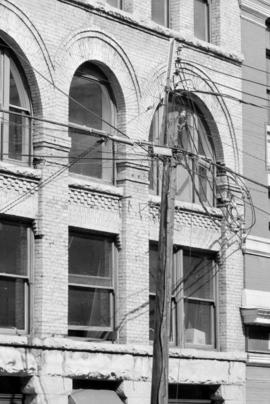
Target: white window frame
[(178, 299), (109, 115), (166, 16), (7, 64), (26, 278), (73, 283), (119, 4), (207, 37)]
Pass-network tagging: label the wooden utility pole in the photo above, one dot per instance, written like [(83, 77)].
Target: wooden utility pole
[(159, 388)]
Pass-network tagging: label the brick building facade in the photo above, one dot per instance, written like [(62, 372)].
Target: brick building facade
[(79, 222)]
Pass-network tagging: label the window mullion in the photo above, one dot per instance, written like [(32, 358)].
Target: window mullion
[(5, 98), (179, 298)]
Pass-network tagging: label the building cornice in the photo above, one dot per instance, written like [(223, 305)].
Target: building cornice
[(257, 246), (155, 29), (257, 8)]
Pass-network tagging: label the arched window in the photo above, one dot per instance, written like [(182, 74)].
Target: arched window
[(15, 108), (92, 105), (195, 173), (202, 19)]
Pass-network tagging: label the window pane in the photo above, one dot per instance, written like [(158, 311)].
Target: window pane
[(159, 12), (153, 267), (86, 109), (114, 3), (91, 105), (14, 97), (89, 307), (258, 338), (152, 309), (90, 256), (184, 188), (201, 23), (91, 163), (13, 249), (18, 148), (12, 303), (198, 323), (198, 276)]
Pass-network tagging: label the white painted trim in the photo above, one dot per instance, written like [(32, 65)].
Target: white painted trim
[(259, 358), (258, 245), (255, 8), (255, 299), (268, 182), (253, 20)]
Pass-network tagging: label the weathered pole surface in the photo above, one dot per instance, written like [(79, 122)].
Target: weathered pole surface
[(159, 387)]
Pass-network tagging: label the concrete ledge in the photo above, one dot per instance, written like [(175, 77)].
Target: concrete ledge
[(19, 171), (69, 344), (89, 185)]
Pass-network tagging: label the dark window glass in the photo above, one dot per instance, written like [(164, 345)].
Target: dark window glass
[(89, 307), (201, 19), (160, 12), (198, 276), (90, 258), (14, 263), (115, 3), (12, 303), (192, 299), (13, 249), (258, 338), (91, 105), (91, 295), (15, 133), (14, 96)]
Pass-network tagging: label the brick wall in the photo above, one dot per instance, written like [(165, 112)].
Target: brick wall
[(55, 39)]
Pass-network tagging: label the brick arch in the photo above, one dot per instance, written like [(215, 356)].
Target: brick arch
[(23, 38), (199, 86), (97, 47), (203, 88)]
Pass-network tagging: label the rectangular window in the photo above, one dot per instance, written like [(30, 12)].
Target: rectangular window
[(192, 300), (15, 258), (91, 286), (258, 338), (202, 19), (160, 12), (115, 3)]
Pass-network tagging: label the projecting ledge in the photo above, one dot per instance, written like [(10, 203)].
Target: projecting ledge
[(255, 316)]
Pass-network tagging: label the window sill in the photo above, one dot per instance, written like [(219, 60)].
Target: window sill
[(91, 185), (189, 206), (19, 170)]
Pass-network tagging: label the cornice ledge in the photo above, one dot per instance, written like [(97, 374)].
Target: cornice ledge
[(150, 26), (257, 246), (252, 7), (98, 187)]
